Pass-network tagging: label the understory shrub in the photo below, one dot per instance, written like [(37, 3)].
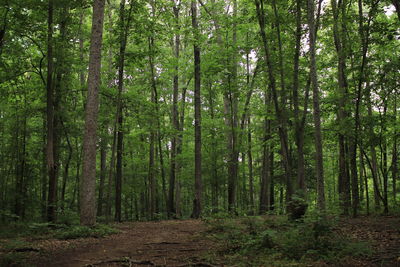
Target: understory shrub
[(79, 231), (313, 238)]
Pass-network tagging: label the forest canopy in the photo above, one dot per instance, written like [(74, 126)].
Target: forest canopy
[(145, 109)]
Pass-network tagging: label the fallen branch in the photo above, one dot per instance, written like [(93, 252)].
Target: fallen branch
[(123, 260), (26, 249)]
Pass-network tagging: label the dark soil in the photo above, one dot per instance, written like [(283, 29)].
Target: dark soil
[(182, 243), (163, 243)]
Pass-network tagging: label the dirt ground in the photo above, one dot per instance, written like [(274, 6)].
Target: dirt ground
[(163, 243), (381, 232), (181, 243)]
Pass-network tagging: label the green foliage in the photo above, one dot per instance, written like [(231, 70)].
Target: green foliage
[(68, 217), (14, 259), (79, 231), (14, 244), (310, 240)]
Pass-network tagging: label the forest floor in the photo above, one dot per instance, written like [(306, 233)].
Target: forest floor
[(186, 243)]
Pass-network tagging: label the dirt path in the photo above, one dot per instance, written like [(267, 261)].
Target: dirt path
[(164, 243), (181, 243)]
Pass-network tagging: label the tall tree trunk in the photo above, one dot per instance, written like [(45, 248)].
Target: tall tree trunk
[(282, 131), (394, 166), (231, 120), (124, 31), (299, 130), (151, 173), (51, 167), (316, 111), (175, 115), (339, 30), (88, 184), (197, 202)]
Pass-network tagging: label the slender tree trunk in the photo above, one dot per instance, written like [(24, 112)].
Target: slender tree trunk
[(51, 167), (272, 185), (179, 149), (151, 173), (124, 31), (299, 130), (394, 166), (19, 207), (384, 159), (118, 176), (339, 30), (363, 175), (265, 173), (282, 131), (265, 179), (250, 166), (197, 202), (44, 175), (66, 167), (231, 106), (103, 170), (373, 163), (162, 168), (88, 184), (175, 115), (316, 111)]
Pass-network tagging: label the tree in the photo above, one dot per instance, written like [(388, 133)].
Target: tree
[(197, 202), (87, 189), (317, 117)]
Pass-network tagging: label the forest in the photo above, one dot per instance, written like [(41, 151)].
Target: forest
[(151, 110)]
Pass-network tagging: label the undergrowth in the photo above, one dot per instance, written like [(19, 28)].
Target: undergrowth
[(18, 240), (276, 241)]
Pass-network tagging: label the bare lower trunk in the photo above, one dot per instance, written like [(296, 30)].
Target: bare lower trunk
[(103, 170), (250, 166)]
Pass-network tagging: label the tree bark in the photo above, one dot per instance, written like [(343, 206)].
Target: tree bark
[(319, 170), (103, 170), (339, 10), (175, 115), (66, 167), (197, 202), (265, 173), (124, 31), (282, 131), (250, 166), (51, 166), (88, 184), (394, 166)]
